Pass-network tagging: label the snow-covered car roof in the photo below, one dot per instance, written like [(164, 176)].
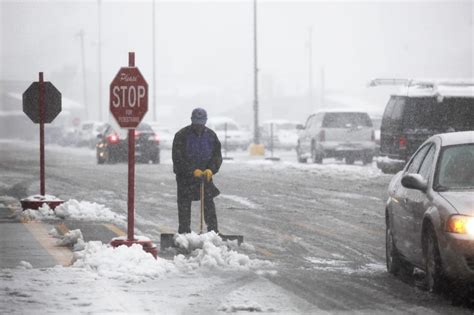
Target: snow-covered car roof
[(340, 110), (456, 138), (429, 87)]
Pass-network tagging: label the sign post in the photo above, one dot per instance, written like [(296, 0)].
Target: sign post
[(41, 103), (128, 105)]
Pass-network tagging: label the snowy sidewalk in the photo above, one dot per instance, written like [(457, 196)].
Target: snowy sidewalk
[(27, 244)]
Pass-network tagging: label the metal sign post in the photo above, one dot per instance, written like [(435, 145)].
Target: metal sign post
[(225, 144), (128, 105), (272, 158), (41, 103)]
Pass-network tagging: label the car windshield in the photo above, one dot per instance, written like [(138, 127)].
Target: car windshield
[(455, 168), (221, 126), (452, 114), (346, 120), (144, 127)]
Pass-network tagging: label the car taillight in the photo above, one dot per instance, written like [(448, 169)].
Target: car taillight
[(157, 139), (322, 135), (113, 138), (402, 143), (137, 134), (372, 137)]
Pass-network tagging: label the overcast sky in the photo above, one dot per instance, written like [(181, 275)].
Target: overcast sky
[(204, 50)]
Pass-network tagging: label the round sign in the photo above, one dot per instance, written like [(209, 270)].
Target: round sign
[(128, 97)]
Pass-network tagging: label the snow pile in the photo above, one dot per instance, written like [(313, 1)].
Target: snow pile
[(130, 264), (209, 250), (25, 265), (88, 211), (42, 198), (73, 238), (43, 212)]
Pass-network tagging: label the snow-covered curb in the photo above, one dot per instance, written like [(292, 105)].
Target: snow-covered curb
[(73, 209)]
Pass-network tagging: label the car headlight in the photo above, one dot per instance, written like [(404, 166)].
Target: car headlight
[(461, 224)]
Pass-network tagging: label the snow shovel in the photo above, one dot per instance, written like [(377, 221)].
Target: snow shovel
[(167, 239)]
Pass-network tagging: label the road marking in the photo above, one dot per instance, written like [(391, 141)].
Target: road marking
[(264, 251), (62, 255), (62, 228), (115, 229)]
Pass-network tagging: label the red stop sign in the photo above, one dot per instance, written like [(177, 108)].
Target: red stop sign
[(128, 97)]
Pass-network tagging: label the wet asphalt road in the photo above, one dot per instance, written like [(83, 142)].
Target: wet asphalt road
[(323, 226)]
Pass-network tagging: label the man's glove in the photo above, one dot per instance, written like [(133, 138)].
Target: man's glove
[(198, 173), (207, 174)]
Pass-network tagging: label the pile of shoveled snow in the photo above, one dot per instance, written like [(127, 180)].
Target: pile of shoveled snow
[(133, 264), (43, 212), (209, 250), (88, 211), (42, 198), (73, 209)]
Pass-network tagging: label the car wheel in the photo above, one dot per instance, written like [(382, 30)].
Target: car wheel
[(317, 157), (434, 277), (156, 159), (367, 159), (350, 160), (100, 160), (392, 257), (298, 156)]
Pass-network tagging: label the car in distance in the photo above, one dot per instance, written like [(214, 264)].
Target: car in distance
[(422, 109), (88, 131), (345, 135), (285, 133), (230, 134), (430, 212), (112, 145)]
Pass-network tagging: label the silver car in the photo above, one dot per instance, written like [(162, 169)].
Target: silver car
[(430, 212), (338, 134)]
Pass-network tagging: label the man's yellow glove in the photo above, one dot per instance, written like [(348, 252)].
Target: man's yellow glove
[(207, 174), (198, 173)]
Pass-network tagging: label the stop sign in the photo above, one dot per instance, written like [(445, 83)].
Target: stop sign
[(128, 97), (52, 102)]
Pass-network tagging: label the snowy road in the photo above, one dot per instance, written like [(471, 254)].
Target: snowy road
[(321, 225)]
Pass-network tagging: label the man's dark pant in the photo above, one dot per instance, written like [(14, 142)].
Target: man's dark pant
[(184, 214)]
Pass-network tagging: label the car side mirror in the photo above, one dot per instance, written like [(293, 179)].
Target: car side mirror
[(414, 181), (299, 127)]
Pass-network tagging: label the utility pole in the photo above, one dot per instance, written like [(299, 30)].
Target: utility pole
[(256, 136), (84, 83), (154, 61), (99, 60), (310, 68), (323, 86)]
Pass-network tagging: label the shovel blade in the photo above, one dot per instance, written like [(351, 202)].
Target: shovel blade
[(239, 238), (166, 240)]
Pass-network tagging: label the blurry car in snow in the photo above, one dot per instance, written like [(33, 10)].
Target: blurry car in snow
[(417, 112), (164, 134), (285, 133), (230, 134), (430, 212), (88, 132), (339, 134), (113, 145)]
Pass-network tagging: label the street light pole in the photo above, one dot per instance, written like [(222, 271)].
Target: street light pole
[(84, 82), (99, 59), (310, 68), (154, 61), (256, 136)]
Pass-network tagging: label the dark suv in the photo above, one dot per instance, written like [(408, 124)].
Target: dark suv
[(410, 119), (112, 145)]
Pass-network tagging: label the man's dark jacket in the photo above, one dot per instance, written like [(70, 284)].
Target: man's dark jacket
[(192, 151)]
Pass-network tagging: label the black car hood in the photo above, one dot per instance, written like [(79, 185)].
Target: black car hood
[(463, 201)]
